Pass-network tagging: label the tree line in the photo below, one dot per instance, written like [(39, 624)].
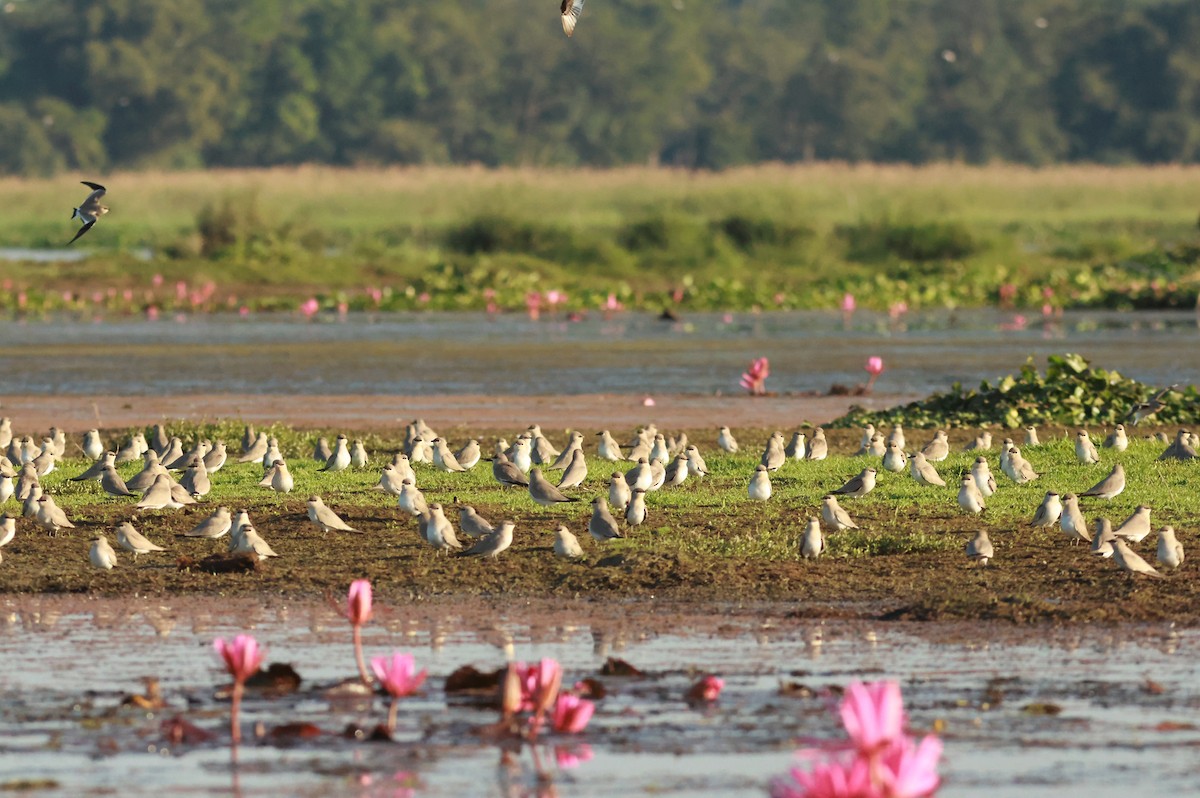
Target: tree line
[(692, 83)]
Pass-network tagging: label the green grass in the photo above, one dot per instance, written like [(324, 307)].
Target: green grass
[(766, 236)]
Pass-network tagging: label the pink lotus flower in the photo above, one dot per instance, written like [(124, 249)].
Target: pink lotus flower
[(397, 675), (848, 303), (243, 311), (309, 307), (572, 756), (571, 714), (754, 379), (727, 318), (181, 290), (539, 684), (242, 659), (533, 304), (828, 780), (706, 690), (555, 297), (358, 612), (156, 280), (424, 297), (898, 309), (910, 771), (152, 313), (611, 304), (873, 715), (648, 401), (874, 365)]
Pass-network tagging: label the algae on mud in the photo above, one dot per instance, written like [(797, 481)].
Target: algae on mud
[(704, 540)]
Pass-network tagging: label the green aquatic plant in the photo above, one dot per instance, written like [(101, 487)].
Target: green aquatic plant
[(1070, 392)]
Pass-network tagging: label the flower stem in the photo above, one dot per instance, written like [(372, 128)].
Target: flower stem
[(358, 655), (235, 729), (391, 721)]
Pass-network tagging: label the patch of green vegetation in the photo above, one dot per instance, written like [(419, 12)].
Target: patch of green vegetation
[(1071, 392)]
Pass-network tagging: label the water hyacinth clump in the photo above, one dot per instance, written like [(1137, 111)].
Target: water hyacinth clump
[(878, 760)]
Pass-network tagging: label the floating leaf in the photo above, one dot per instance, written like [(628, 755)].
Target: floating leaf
[(615, 666), (1042, 708)]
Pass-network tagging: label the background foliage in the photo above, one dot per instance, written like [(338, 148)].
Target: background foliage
[(200, 83)]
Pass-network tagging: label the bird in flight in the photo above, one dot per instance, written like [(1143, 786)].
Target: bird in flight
[(89, 210), (571, 9)]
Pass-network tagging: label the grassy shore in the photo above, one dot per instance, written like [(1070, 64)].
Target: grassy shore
[(703, 540), (789, 236)]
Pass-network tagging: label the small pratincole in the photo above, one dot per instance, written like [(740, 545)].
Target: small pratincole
[(89, 211)]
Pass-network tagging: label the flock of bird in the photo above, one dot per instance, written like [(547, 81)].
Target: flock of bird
[(658, 462)]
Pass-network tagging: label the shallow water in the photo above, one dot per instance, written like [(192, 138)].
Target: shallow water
[(440, 353), (66, 662)]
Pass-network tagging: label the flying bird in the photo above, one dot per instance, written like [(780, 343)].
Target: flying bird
[(570, 9), (90, 209)]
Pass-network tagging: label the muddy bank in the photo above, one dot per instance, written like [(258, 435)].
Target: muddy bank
[(379, 413)]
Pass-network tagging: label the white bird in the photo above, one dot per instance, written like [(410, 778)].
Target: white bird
[(522, 456), (390, 481), (773, 457), (1170, 550), (834, 516), (696, 464), (281, 478), (6, 489), (566, 545), (1020, 471), (404, 469), (1072, 521), (818, 447), (470, 454), (979, 548), (1048, 511), (969, 496), (492, 545), (256, 452), (1085, 450), (411, 500), (358, 455), (1117, 440), (326, 518), (8, 530), (812, 542), (937, 449), (1109, 487), (444, 459), (923, 471), (602, 526), (640, 476), (796, 449), (250, 542), (726, 441), (213, 527), (676, 472), (240, 521), (94, 472), (868, 434), (894, 459), (982, 443), (437, 530), (1031, 436), (130, 539), (897, 437), (658, 475), (1131, 561), (1137, 526), (619, 493), (858, 486), (340, 459), (101, 555), (984, 481), (660, 451), (608, 448), (90, 210), (542, 491), (760, 484), (635, 511), (570, 11), (93, 447)]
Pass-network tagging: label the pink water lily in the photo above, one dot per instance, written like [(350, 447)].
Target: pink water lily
[(397, 675), (849, 305), (358, 612), (571, 714), (539, 684), (874, 368), (873, 715), (309, 307), (707, 689), (910, 771), (242, 658), (828, 780), (754, 379)]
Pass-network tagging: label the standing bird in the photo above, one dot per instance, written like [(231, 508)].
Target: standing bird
[(472, 524), (1048, 511), (130, 539), (1085, 450), (250, 542), (390, 481), (281, 479), (635, 511), (214, 461), (812, 542), (542, 491), (984, 481), (411, 500), (696, 464), (213, 527), (868, 434), (570, 10), (834, 516), (609, 449), (340, 459), (101, 555), (619, 493), (444, 459), (321, 451), (924, 472), (982, 443), (640, 476), (1117, 439), (565, 456), (469, 455), (566, 545), (112, 484), (979, 548), (1131, 561), (358, 455), (760, 484), (159, 494), (492, 545), (507, 472), (897, 436), (796, 448), (327, 519), (773, 457), (8, 530), (677, 471), (818, 447), (969, 497), (937, 449), (437, 530), (50, 516), (1031, 436), (858, 486), (1110, 486), (93, 447), (89, 211), (195, 479), (1103, 539), (726, 441), (1072, 520), (894, 459), (1136, 527), (576, 472), (1019, 468), (602, 526), (1170, 550)]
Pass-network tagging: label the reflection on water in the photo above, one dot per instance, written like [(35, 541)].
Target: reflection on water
[(424, 354), (1126, 695)]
